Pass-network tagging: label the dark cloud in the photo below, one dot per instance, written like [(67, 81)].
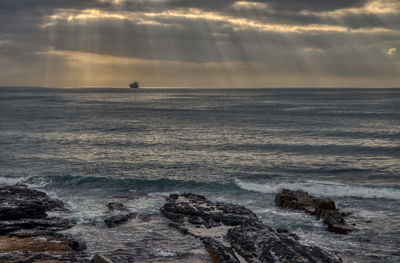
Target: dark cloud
[(13, 7), (315, 5)]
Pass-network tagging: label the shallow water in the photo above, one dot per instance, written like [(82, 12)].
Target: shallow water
[(91, 146)]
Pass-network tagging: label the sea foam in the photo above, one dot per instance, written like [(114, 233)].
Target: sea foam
[(323, 189), (12, 180)]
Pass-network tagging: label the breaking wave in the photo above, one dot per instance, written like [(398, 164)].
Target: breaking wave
[(323, 189)]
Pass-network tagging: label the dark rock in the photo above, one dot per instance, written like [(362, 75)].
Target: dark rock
[(257, 244), (233, 233), (100, 259), (281, 230), (180, 228), (115, 206), (144, 217), (34, 225), (218, 252), (77, 245), (120, 218), (322, 208), (28, 235), (116, 220), (19, 202), (335, 222), (201, 211)]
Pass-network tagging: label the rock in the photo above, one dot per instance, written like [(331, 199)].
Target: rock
[(116, 206), (260, 244), (34, 225), (116, 220), (218, 252), (77, 245), (335, 222), (100, 259), (37, 249), (233, 233), (28, 235), (204, 212), (19, 202), (322, 208)]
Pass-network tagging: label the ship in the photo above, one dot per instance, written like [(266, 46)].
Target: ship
[(134, 85)]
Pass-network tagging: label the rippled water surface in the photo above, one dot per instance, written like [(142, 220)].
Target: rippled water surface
[(92, 146)]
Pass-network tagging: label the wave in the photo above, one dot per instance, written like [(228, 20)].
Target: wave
[(162, 185), (12, 180), (323, 189)]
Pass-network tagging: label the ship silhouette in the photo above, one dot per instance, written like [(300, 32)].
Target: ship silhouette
[(134, 85)]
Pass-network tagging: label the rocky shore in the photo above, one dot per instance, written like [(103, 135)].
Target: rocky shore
[(28, 234), (233, 233), (230, 233)]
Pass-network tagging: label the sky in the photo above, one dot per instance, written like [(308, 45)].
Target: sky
[(200, 43)]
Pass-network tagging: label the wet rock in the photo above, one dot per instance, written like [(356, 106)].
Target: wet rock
[(119, 214), (19, 202), (322, 208), (75, 244), (335, 221), (28, 235), (202, 211), (116, 206), (34, 226), (116, 220), (257, 243), (218, 252), (236, 235), (144, 217), (100, 259)]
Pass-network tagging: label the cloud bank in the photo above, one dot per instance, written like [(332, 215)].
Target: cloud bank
[(200, 43)]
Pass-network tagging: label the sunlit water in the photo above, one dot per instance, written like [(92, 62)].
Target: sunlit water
[(92, 146)]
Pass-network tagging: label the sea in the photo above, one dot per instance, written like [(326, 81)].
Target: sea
[(91, 146)]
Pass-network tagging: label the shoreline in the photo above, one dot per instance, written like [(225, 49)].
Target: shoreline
[(28, 234)]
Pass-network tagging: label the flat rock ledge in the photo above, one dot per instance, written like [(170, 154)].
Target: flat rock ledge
[(233, 233), (27, 234), (322, 208)]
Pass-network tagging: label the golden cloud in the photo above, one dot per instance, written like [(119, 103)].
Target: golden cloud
[(237, 23)]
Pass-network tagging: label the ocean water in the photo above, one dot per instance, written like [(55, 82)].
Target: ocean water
[(92, 146)]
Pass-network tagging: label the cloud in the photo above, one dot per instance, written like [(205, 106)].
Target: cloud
[(392, 52), (324, 39)]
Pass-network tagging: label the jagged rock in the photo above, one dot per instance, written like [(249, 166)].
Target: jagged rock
[(218, 252), (233, 233), (116, 220), (19, 202), (34, 225), (324, 208), (28, 235), (120, 214), (204, 212), (260, 244), (116, 206), (100, 259), (75, 244)]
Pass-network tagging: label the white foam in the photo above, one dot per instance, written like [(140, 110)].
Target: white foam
[(160, 194), (323, 189), (165, 253), (12, 180), (31, 181), (37, 182)]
